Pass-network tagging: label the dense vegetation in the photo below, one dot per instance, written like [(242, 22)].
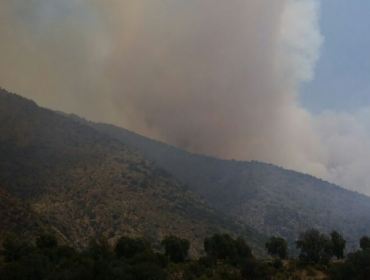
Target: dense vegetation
[(268, 198), (17, 217), (80, 182), (133, 258), (76, 179)]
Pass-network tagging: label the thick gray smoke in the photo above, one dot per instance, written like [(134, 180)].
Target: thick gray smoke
[(212, 76)]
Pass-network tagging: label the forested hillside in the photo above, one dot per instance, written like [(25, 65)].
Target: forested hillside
[(18, 218), (266, 197), (84, 183)]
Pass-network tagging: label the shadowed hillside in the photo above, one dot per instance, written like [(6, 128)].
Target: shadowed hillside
[(268, 198), (85, 183)]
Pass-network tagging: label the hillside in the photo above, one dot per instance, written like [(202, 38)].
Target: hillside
[(266, 197), (17, 218), (84, 183)]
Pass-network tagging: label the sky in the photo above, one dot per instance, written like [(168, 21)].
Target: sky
[(281, 81), (341, 80)]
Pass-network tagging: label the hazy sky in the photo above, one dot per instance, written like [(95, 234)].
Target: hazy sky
[(280, 81)]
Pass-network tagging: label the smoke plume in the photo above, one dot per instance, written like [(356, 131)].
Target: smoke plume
[(214, 77)]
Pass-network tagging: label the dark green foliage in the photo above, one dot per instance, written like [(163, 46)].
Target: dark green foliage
[(99, 248), (338, 244), (224, 247), (220, 247), (128, 247), (315, 247), (176, 248), (31, 267), (365, 242), (46, 241), (256, 270), (242, 248), (14, 248), (277, 247), (149, 257), (99, 262), (356, 267), (50, 261)]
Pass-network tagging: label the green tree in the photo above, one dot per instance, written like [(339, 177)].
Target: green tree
[(220, 247), (224, 247), (277, 247), (365, 242), (244, 251), (128, 247), (338, 244), (176, 248), (315, 247)]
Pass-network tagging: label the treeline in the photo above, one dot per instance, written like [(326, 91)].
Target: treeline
[(133, 258)]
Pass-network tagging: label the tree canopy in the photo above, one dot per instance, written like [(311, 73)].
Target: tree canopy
[(365, 242), (224, 247), (277, 247), (315, 247), (338, 244), (128, 247), (176, 248)]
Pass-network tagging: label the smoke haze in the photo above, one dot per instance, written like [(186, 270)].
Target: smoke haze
[(215, 77)]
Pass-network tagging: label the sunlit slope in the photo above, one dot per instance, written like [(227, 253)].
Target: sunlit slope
[(85, 183), (268, 198)]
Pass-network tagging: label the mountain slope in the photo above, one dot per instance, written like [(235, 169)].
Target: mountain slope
[(268, 198), (17, 218), (85, 183)]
